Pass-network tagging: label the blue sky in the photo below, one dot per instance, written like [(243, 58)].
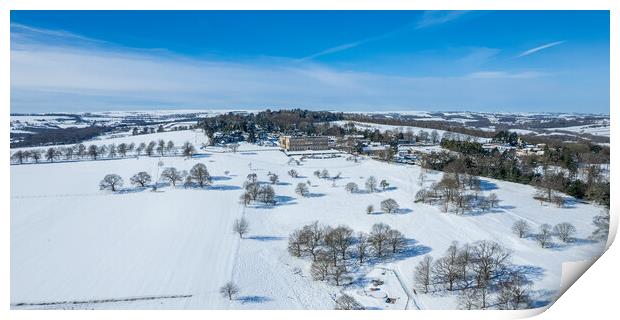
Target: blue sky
[(334, 60)]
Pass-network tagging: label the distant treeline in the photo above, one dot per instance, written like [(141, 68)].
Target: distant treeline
[(54, 136)]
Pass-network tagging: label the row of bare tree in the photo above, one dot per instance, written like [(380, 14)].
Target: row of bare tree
[(198, 176), (94, 152), (455, 192)]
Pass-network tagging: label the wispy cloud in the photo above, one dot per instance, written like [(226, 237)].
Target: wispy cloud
[(506, 75), (69, 76), (539, 48), (433, 18), (335, 49), (428, 19)]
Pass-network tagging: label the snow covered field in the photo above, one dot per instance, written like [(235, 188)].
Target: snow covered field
[(71, 241)]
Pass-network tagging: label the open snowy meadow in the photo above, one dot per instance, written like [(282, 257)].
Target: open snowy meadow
[(76, 246)]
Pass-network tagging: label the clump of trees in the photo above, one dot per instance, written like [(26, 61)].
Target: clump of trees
[(336, 251), (481, 273), (458, 193), (254, 191), (563, 231)]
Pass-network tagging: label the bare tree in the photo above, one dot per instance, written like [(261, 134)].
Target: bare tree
[(229, 290), (371, 184), (19, 156), (313, 235), (293, 173), (302, 189), (446, 270), (122, 149), (389, 205), (150, 148), (36, 154), (320, 267), (339, 273), (361, 247), (493, 199), (141, 147), (140, 179), (564, 231), (396, 240), (544, 235), (170, 147), (422, 274), (346, 302), (273, 178), (513, 293), (111, 181), (112, 151), (241, 226), (172, 175), (470, 299), (200, 174), (266, 195), (246, 198), (488, 259), (51, 154), (379, 239), (296, 243), (161, 147), (80, 150), (558, 200), (521, 228), (188, 150), (351, 187)]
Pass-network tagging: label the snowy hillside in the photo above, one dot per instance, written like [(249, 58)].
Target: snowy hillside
[(174, 248)]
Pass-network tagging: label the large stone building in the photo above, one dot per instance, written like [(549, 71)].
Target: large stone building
[(290, 143)]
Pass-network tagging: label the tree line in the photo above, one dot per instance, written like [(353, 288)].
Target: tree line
[(94, 152), (197, 176), (469, 159)]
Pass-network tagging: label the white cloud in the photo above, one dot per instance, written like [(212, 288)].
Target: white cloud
[(428, 19), (539, 48), (56, 76), (506, 75), (433, 18)]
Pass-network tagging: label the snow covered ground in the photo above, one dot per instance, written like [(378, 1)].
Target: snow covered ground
[(72, 242)]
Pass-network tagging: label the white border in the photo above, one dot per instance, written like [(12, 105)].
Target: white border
[(593, 296)]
